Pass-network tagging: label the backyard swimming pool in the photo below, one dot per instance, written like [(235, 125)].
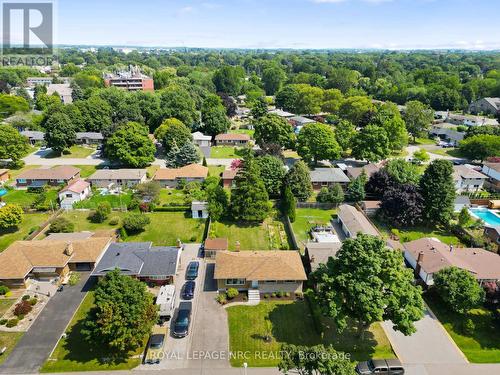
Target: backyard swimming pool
[(3, 192), (488, 216)]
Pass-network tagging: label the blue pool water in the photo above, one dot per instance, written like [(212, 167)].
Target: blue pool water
[(3, 192), (487, 216)]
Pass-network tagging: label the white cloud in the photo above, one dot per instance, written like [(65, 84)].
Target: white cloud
[(187, 9)]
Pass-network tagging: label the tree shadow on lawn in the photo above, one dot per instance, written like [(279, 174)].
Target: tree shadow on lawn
[(292, 323)]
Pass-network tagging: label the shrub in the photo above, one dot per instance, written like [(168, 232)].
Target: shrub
[(33, 301), (12, 323), (22, 308), (134, 223), (273, 295), (4, 290), (468, 327), (299, 295), (315, 314), (280, 294), (123, 233), (74, 278), (61, 225), (287, 294), (134, 204), (3, 322), (25, 297), (266, 296), (101, 213), (245, 298), (35, 189), (20, 316), (115, 220), (221, 298), (232, 293), (171, 208)]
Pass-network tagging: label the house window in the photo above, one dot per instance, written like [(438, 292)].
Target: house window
[(271, 281), (158, 277), (69, 195), (235, 281), (21, 180)]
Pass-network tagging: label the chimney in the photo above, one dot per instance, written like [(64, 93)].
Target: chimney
[(69, 249), (418, 266), (237, 246)]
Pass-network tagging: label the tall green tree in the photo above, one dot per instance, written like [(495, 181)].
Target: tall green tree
[(481, 147), (273, 79), (288, 203), (60, 132), (172, 130), (367, 282), (229, 79), (344, 134), (177, 157), (418, 118), (298, 179), (371, 144), (403, 171), (272, 129), (459, 289), (13, 145), (10, 104), (287, 98), (218, 202), (272, 172), (11, 215), (96, 113), (356, 189), (309, 99), (213, 116), (355, 109), (317, 142), (438, 191), (249, 198), (131, 146), (259, 108), (177, 102), (123, 314)]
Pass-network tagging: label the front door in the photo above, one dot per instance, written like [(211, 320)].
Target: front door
[(255, 284)]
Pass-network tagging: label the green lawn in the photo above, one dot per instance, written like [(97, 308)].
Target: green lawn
[(9, 340), (78, 152), (483, 346), (79, 218), (424, 141), (73, 353), (224, 152), (5, 304), (29, 224), (250, 132), (86, 170), (116, 201), (306, 218), (269, 235), (172, 196), (216, 170), (411, 234), (26, 199), (455, 152), (291, 323)]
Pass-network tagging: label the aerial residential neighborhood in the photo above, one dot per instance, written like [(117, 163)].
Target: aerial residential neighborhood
[(314, 192)]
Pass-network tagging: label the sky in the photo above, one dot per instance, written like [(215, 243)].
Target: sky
[(385, 24)]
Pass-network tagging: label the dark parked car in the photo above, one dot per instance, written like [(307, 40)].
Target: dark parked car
[(188, 290), (192, 270), (380, 366), (181, 323)]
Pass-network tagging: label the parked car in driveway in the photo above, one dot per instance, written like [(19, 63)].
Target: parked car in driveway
[(380, 366), (192, 270), (188, 290), (183, 319), (156, 343)]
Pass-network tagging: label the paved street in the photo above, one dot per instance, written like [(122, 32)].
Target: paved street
[(38, 342), (429, 345)]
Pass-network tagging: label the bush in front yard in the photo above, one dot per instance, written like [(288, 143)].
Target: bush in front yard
[(232, 293), (468, 327), (25, 297), (221, 298), (3, 322), (3, 290), (33, 301), (114, 220), (22, 308), (12, 323)]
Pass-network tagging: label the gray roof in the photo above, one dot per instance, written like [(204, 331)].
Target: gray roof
[(89, 135), (355, 221), (301, 120), (31, 134), (462, 199), (328, 175), (138, 259), (495, 102), (320, 252)]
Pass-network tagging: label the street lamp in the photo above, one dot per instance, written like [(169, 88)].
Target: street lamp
[(245, 365)]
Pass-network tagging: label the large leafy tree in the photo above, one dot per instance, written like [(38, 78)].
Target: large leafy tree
[(438, 191), (403, 171), (229, 79), (12, 144), (344, 134), (123, 314), (213, 116), (379, 183), (96, 113), (177, 102), (273, 78), (272, 172), (355, 108), (172, 130), (259, 108), (298, 179), (11, 215), (59, 132), (318, 360), (317, 142), (480, 147), (418, 118), (309, 99), (402, 205), (458, 288), (333, 194), (274, 129), (356, 188), (131, 146), (287, 98), (218, 202), (371, 143), (368, 282), (249, 198), (10, 104), (288, 203)]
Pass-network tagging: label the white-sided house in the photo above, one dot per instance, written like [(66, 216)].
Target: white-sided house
[(201, 139), (199, 210), (467, 179), (76, 191), (119, 177)]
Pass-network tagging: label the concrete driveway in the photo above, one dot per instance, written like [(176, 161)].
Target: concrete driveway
[(431, 344), (41, 338)]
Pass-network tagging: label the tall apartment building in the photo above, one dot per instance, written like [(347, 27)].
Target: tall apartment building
[(131, 80)]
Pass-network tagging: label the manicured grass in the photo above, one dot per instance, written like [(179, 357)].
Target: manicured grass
[(29, 224), (423, 141), (116, 201), (483, 346), (79, 218), (225, 152), (26, 199), (151, 170), (5, 304), (77, 152), (454, 152), (269, 235), (172, 196), (291, 323), (215, 170), (9, 340), (411, 234), (73, 353), (306, 218), (242, 131), (86, 170)]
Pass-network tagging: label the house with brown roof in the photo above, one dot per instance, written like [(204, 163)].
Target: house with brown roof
[(76, 191), (55, 176), (214, 245), (228, 176), (24, 261), (259, 271), (317, 253), (103, 178), (355, 172), (170, 177), (429, 255), (232, 139), (353, 222)]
